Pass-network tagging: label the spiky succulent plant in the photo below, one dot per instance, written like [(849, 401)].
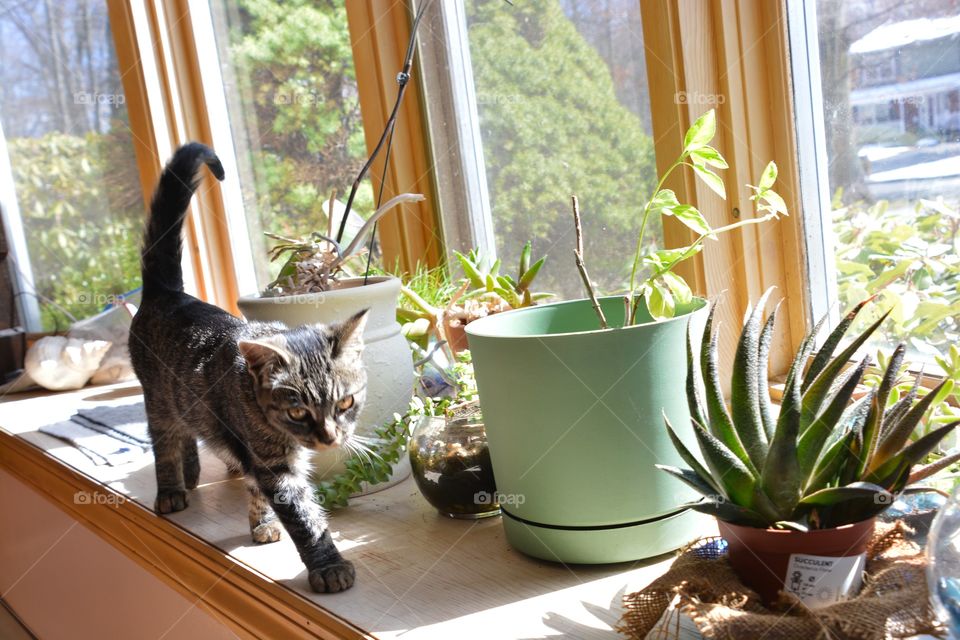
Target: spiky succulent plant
[(827, 459)]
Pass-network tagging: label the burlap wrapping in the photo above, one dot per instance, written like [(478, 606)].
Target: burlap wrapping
[(893, 602)]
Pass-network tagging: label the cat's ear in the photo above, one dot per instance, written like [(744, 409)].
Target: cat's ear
[(263, 352), (348, 335)]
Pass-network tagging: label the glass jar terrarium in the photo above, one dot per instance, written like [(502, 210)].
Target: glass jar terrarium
[(451, 463), (943, 570)]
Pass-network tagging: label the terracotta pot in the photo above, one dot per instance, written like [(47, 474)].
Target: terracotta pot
[(820, 567), (456, 336)]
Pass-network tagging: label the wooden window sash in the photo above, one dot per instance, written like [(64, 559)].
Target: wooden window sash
[(732, 55), (379, 32)]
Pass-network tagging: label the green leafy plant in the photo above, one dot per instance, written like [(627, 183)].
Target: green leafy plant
[(371, 460), (313, 263), (908, 255), (826, 460), (434, 306), (484, 276), (662, 289)]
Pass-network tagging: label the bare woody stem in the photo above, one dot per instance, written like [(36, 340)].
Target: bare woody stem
[(578, 256)]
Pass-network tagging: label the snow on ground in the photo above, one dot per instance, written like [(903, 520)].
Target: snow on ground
[(899, 34), (874, 153), (941, 168)]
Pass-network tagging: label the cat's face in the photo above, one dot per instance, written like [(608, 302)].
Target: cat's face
[(310, 381)]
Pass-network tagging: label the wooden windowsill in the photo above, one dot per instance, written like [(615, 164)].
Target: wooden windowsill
[(418, 574)]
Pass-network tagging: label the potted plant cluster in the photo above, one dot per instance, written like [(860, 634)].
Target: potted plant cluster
[(442, 309), (315, 285), (573, 393), (796, 497)]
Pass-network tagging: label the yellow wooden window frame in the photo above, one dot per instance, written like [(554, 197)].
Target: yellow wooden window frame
[(733, 55), (736, 49)]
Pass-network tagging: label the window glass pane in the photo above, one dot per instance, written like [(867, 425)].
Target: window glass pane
[(562, 97), (67, 134), (291, 95), (891, 104)]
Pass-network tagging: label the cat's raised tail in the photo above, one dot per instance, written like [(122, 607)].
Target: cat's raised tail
[(160, 258)]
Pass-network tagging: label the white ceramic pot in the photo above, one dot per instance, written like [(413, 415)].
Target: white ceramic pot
[(390, 377)]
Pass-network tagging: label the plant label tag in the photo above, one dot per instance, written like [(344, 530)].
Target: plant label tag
[(821, 580)]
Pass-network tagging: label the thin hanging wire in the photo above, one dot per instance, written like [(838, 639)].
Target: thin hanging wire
[(386, 138)]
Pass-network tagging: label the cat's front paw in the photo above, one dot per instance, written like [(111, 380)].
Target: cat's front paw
[(333, 578), (266, 532), (170, 500)]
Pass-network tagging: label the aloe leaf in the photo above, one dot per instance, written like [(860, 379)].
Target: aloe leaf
[(691, 479), (814, 395), (525, 258), (825, 352), (510, 296), (721, 424), (791, 525), (926, 443), (726, 469), (874, 422), (816, 435), (476, 279), (763, 384), (896, 413), (916, 475), (694, 396), (854, 490), (495, 269), (729, 512), (695, 465), (782, 479), (745, 392), (899, 433), (828, 467), (527, 278)]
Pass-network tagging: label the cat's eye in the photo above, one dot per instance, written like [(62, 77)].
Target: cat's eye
[(345, 403), (296, 413)]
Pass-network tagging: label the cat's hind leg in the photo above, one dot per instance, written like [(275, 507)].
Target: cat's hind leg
[(167, 436), (191, 462)]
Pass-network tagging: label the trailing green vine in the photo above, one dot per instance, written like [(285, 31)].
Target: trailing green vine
[(376, 464)]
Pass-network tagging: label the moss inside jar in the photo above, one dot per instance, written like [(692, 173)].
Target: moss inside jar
[(451, 464)]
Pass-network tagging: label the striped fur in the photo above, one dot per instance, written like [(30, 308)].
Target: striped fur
[(260, 395)]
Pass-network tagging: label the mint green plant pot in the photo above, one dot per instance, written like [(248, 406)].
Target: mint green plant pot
[(574, 419)]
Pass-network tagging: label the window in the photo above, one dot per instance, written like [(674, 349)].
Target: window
[(71, 194), (559, 100), (887, 153), (292, 99)]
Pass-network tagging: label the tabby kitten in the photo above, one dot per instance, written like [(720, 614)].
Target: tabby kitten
[(260, 395)]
